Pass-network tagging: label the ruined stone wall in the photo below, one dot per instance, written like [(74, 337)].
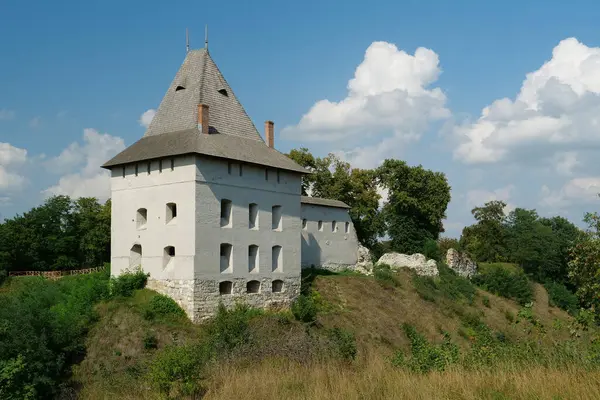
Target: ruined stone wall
[(180, 290)]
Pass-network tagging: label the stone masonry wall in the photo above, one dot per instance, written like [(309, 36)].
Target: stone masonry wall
[(207, 297), (182, 291)]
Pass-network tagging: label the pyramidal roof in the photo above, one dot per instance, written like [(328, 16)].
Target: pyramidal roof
[(199, 81), (174, 128)]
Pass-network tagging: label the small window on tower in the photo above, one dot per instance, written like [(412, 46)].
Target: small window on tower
[(179, 87), (224, 92), (171, 212)]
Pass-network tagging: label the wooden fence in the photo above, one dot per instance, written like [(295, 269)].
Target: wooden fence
[(55, 274)]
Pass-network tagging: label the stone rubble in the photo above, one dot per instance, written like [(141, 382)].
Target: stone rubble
[(417, 262), (461, 263)]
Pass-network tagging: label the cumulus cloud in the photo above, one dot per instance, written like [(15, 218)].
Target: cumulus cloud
[(86, 159), (147, 117), (388, 103), (554, 115), (576, 191), (6, 114), (11, 158)]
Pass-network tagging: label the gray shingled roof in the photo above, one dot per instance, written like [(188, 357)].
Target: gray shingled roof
[(215, 145), (318, 201), (174, 128)]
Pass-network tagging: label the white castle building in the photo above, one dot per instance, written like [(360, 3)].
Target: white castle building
[(212, 212)]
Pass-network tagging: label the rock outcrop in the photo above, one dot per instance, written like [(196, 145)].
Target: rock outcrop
[(461, 263), (417, 262), (364, 265)]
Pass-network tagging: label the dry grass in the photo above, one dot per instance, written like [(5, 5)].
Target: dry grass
[(377, 380)]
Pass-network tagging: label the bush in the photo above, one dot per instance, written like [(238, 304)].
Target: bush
[(500, 280), (344, 342), (126, 283), (486, 301), (179, 371), (426, 357), (561, 297), (304, 309), (447, 285), (161, 305), (384, 274), (43, 325), (229, 329), (150, 341), (432, 250)]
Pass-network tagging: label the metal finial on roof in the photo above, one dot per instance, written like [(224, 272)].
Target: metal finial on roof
[(206, 36), (187, 40)]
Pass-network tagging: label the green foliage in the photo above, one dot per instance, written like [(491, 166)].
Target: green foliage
[(127, 282), (180, 371), (584, 267), (426, 357), (560, 296), (448, 285), (499, 280), (58, 235), (229, 329), (344, 341), (42, 330), (486, 301), (333, 178), (445, 244), (150, 341), (161, 305), (305, 308), (384, 274), (431, 250)]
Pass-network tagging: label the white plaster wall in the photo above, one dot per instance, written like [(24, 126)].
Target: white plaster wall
[(153, 191), (214, 183), (326, 247)]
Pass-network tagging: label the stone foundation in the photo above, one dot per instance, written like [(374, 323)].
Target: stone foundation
[(200, 298)]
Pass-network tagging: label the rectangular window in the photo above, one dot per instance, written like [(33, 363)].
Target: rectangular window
[(253, 258), (304, 223), (347, 229), (226, 255), (148, 167), (276, 259), (276, 218), (226, 213), (172, 164), (320, 226), (123, 172), (136, 170), (334, 226), (171, 212), (253, 216), (160, 166)]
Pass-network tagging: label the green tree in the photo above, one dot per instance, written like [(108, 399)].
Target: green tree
[(486, 239), (584, 265), (417, 202), (333, 178)]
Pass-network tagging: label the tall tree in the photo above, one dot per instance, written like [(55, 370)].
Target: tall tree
[(486, 239), (584, 265), (417, 202)]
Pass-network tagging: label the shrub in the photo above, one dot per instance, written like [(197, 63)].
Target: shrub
[(344, 342), (161, 305), (448, 284), (384, 274), (150, 341), (126, 283), (179, 371), (486, 301), (304, 309), (426, 357), (502, 281), (444, 244), (229, 329), (432, 250), (425, 287), (561, 297)]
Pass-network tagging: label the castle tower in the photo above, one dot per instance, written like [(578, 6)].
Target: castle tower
[(203, 204)]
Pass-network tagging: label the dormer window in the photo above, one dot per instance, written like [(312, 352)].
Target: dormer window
[(179, 87), (223, 92)]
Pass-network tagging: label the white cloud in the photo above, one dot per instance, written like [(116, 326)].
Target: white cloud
[(6, 114), (11, 158), (388, 102), (10, 180), (384, 193), (90, 180), (478, 197), (576, 191), (147, 117), (10, 155), (555, 114)]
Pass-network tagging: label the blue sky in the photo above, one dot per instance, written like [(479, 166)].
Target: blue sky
[(406, 79)]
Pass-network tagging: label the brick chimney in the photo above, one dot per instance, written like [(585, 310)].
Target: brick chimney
[(203, 120), (270, 133)]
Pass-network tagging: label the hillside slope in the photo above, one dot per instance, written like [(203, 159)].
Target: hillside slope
[(284, 358)]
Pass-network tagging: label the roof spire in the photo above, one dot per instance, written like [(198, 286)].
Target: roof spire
[(187, 40), (206, 36)]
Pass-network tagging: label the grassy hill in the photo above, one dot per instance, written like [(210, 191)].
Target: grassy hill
[(392, 337)]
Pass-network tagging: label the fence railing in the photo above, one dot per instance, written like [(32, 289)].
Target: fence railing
[(55, 274)]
